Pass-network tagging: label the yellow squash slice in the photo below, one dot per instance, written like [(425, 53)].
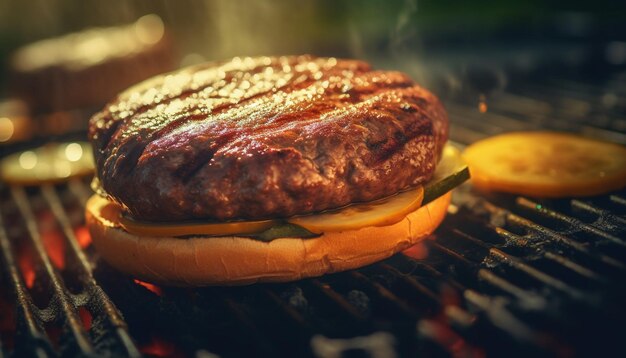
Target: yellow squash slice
[(383, 212), (546, 164)]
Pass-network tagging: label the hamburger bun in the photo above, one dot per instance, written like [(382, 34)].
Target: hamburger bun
[(232, 260)]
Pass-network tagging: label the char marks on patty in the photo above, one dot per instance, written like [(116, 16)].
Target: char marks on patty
[(265, 137)]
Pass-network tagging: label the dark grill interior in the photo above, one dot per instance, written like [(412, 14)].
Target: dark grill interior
[(504, 275)]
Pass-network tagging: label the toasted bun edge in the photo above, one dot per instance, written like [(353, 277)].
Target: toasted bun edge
[(202, 261)]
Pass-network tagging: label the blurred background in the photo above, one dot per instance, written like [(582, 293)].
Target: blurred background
[(475, 49)]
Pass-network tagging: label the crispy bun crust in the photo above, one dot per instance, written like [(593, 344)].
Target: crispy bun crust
[(233, 260)]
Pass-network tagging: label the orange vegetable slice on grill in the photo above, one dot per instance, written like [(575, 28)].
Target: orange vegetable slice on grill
[(546, 164)]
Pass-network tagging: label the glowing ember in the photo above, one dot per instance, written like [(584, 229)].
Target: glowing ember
[(54, 333), (482, 104), (418, 251), (52, 238), (27, 266), (156, 289), (83, 237), (440, 330), (55, 247), (449, 296), (7, 322), (86, 317), (159, 348)]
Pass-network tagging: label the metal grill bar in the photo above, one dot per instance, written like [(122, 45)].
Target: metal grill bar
[(258, 337), (343, 306), (63, 306), (61, 301), (98, 301), (540, 233), (574, 226), (30, 332), (424, 291)]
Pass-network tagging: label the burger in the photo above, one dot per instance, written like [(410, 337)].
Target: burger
[(267, 169), (50, 75)]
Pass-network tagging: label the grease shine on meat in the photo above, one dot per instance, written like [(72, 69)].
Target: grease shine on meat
[(265, 137)]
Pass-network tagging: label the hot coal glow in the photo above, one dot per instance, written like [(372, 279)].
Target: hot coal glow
[(83, 237), (86, 317), (155, 289), (26, 263), (158, 348), (7, 322), (52, 238), (54, 244), (418, 251)]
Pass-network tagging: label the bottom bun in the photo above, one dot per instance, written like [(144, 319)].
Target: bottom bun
[(201, 261)]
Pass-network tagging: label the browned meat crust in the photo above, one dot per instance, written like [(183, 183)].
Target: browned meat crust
[(265, 137)]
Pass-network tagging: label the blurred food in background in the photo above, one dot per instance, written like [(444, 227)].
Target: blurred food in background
[(87, 68), (66, 58), (62, 80), (218, 29)]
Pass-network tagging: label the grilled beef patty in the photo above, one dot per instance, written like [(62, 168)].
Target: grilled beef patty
[(265, 137)]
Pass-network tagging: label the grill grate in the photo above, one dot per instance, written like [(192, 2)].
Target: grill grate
[(505, 274), (62, 308)]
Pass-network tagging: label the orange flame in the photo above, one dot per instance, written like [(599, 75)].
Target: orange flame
[(155, 289)]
